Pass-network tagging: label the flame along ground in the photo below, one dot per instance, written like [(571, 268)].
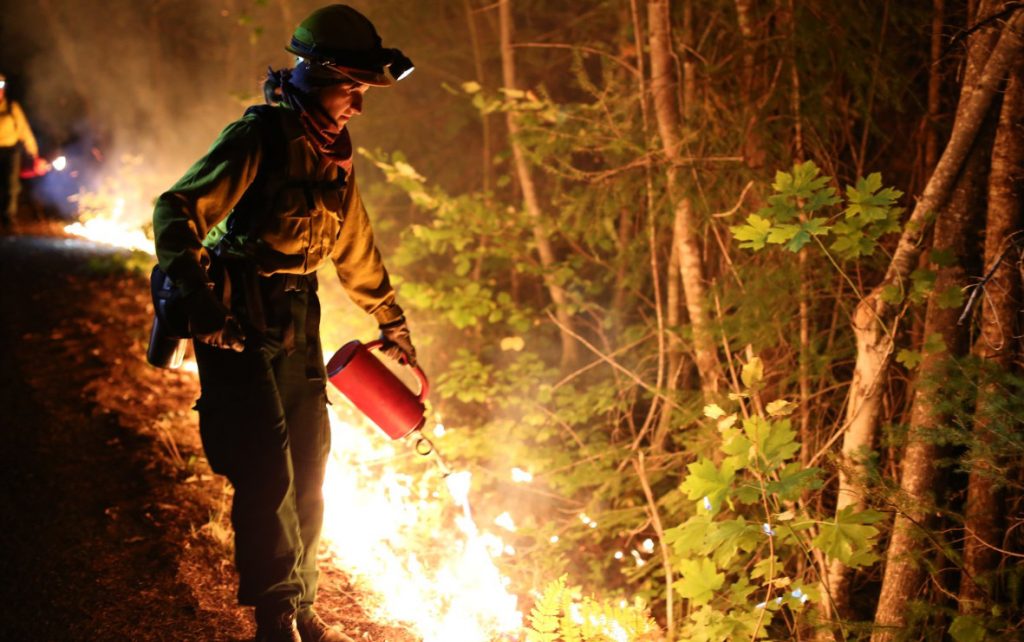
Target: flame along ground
[(407, 537)]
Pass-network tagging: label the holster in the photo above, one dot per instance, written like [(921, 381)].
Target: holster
[(168, 338)]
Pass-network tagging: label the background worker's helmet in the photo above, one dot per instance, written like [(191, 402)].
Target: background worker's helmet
[(339, 36)]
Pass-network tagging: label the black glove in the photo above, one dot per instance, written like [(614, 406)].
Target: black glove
[(211, 323), (397, 342)]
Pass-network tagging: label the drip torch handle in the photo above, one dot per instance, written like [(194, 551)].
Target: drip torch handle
[(424, 383)]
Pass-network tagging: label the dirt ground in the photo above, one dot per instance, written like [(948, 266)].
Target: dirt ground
[(113, 526)]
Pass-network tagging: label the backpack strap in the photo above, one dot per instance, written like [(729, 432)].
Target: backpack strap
[(274, 159)]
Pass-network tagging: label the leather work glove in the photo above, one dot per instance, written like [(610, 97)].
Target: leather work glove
[(397, 342), (211, 323)]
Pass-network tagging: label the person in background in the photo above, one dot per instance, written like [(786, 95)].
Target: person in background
[(241, 235), (15, 133)]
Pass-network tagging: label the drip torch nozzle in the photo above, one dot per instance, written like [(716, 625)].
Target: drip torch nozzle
[(426, 448)]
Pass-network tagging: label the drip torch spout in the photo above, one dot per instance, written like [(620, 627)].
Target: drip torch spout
[(425, 447)]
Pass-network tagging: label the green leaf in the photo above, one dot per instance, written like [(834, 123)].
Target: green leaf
[(851, 242), (793, 480), (892, 294), (753, 372), (775, 441), (850, 538), (944, 257), (922, 281), (782, 233), (713, 411), (754, 234), (688, 537), (781, 208), (699, 579), (868, 201), (736, 445), (968, 628), (822, 198), (951, 297), (707, 480), (909, 358), (934, 344), (724, 539), (780, 408)]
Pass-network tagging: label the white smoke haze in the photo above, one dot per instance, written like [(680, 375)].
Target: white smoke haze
[(105, 81)]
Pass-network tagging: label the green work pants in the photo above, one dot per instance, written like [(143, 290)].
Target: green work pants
[(10, 184), (263, 423)]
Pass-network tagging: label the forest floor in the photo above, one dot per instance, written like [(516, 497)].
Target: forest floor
[(114, 527)]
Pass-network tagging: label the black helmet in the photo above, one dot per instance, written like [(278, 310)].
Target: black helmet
[(339, 36)]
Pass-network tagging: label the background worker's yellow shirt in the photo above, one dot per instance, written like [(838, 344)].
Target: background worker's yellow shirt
[(14, 127)]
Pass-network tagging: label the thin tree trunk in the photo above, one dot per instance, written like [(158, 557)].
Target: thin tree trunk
[(485, 119), (623, 237), (804, 311), (545, 250), (873, 316), (690, 264), (675, 343), (753, 146), (1000, 303), (745, 21), (931, 146), (689, 66), (487, 164)]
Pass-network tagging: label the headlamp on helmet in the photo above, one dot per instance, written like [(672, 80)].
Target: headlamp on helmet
[(400, 65)]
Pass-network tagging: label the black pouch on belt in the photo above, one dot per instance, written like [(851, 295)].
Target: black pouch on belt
[(168, 338)]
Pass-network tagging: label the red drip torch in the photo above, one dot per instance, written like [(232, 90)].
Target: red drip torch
[(41, 166), (381, 396)]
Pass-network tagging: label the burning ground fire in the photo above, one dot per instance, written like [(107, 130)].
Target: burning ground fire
[(443, 586)]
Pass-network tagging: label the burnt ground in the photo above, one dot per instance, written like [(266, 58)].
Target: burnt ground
[(113, 527)]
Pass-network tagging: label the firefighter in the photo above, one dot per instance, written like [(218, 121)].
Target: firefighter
[(14, 134), (241, 235)]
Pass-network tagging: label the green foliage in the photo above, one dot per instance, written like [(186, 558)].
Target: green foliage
[(793, 214), (562, 614), (735, 555), (747, 522), (849, 537), (968, 628)]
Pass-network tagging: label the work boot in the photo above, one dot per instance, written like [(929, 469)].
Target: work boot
[(276, 625), (313, 629)]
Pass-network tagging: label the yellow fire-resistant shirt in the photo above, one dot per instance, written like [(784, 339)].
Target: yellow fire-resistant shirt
[(14, 128), (306, 226)]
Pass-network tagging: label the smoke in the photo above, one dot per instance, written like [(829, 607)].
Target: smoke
[(107, 81)]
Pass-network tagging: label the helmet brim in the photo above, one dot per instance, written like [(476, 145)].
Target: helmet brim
[(365, 76)]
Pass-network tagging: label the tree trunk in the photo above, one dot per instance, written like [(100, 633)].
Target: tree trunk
[(904, 575), (689, 64), (745, 21), (1000, 302), (546, 252), (873, 316), (931, 145), (690, 265), (485, 119)]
